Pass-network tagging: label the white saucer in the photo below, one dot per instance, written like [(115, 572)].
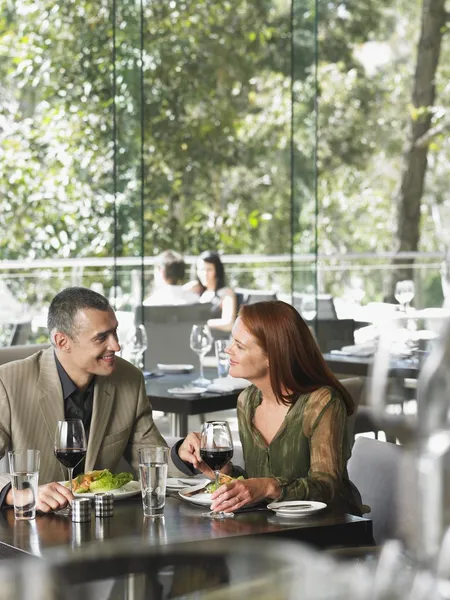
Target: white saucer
[(187, 391), (175, 483), (174, 369), (296, 509)]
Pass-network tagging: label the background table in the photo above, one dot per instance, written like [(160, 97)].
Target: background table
[(360, 366), (182, 406), (182, 524)]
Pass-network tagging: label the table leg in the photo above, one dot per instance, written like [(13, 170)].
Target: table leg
[(178, 425)]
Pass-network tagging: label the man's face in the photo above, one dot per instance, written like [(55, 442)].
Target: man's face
[(92, 349)]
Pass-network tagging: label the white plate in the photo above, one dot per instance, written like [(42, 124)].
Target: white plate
[(174, 483), (187, 391), (294, 509), (202, 499), (175, 368), (126, 491)]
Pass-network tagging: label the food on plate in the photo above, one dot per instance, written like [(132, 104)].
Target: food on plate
[(99, 481), (213, 486)]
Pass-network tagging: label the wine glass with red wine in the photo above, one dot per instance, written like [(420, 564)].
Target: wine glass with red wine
[(216, 450), (70, 445)]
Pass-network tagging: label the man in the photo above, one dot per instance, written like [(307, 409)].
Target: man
[(169, 275), (78, 377)]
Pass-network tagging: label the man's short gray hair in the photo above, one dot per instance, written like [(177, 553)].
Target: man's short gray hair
[(65, 306)]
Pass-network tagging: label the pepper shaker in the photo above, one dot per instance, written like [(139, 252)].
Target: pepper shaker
[(104, 504)]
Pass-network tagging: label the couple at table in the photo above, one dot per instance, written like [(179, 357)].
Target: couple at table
[(292, 420)]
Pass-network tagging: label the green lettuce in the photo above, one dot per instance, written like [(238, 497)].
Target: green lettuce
[(107, 481)]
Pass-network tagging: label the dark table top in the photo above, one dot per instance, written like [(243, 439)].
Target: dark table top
[(157, 392), (182, 524), (360, 366)]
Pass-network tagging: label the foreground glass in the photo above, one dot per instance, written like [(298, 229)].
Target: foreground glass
[(201, 342), (70, 448), (153, 465), (216, 450), (24, 468)]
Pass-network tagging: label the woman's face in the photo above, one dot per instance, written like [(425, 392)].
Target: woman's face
[(247, 359), (206, 272)]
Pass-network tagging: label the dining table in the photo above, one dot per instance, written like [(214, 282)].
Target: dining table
[(182, 523), (181, 405), (361, 366)]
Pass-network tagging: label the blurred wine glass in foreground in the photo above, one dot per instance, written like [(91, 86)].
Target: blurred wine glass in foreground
[(410, 395)]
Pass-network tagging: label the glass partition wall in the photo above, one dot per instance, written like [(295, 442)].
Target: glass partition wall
[(267, 131)]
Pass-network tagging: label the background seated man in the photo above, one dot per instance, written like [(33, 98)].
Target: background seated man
[(169, 276), (78, 377)]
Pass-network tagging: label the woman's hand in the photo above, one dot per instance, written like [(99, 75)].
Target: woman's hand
[(231, 496)]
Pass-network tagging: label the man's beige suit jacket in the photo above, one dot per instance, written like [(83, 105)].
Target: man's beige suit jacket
[(31, 403)]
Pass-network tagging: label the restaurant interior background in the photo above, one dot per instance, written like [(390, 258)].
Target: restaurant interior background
[(275, 132)]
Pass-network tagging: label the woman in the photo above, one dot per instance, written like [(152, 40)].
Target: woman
[(292, 420), (211, 287)]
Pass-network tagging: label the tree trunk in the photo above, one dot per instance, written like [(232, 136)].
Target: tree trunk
[(409, 197)]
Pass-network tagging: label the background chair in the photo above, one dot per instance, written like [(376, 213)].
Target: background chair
[(248, 296), (374, 468), (20, 333), (168, 331), (10, 353)]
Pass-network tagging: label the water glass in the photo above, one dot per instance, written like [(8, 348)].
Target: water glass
[(153, 465), (24, 468), (223, 360)]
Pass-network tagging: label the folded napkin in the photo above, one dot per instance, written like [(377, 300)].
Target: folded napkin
[(361, 350), (228, 384)]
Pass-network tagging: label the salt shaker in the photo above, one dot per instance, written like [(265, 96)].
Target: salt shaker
[(104, 505), (81, 510)]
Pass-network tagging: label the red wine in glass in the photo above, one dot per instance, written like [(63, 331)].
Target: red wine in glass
[(69, 458), (216, 458)]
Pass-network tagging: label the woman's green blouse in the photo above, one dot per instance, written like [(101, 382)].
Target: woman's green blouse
[(309, 453)]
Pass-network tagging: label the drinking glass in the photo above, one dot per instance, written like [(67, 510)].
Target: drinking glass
[(216, 450), (223, 360), (70, 447), (404, 292), (116, 297), (135, 345), (24, 468), (201, 342), (153, 465), (309, 307)]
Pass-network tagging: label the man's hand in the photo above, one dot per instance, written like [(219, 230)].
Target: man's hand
[(189, 451), (51, 496)]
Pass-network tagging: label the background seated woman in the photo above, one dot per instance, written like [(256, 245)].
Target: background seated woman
[(292, 420), (211, 286)]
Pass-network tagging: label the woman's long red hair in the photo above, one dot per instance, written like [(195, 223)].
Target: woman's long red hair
[(296, 365)]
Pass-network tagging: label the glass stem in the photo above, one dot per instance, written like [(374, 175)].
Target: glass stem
[(70, 469), (217, 475), (201, 365)]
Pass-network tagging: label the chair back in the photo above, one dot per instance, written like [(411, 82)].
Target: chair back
[(11, 353), (20, 334), (248, 296), (333, 334), (168, 331), (374, 468)]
